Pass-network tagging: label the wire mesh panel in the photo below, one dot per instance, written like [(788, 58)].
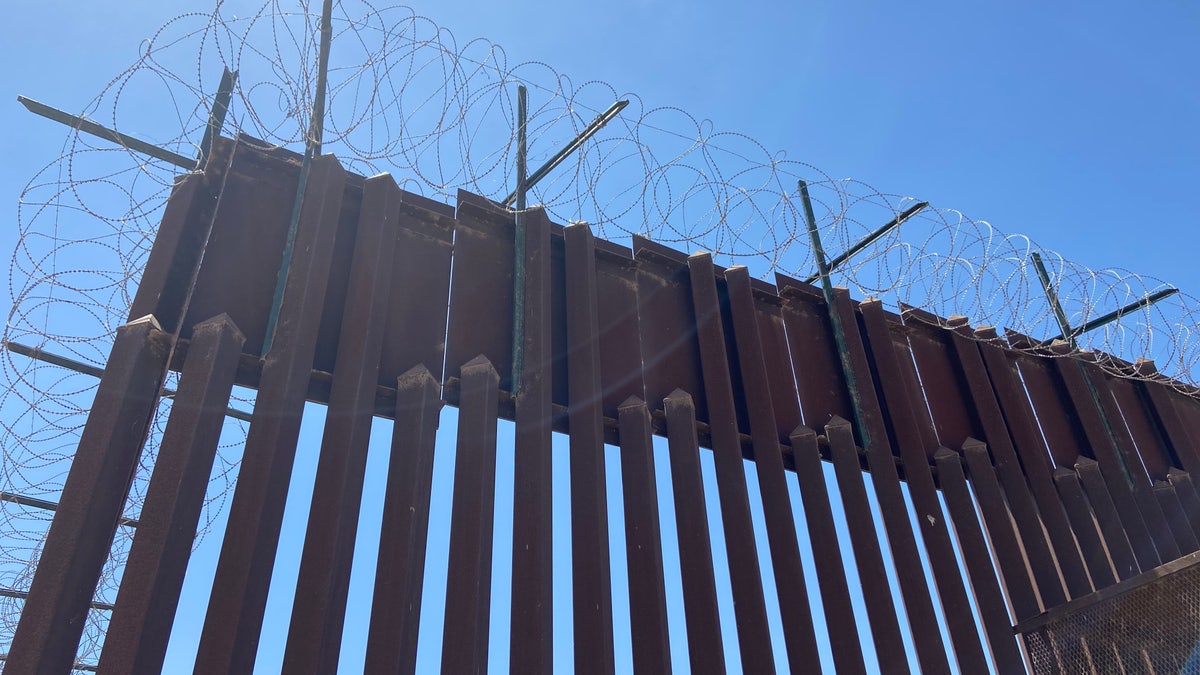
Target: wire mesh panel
[(1147, 624)]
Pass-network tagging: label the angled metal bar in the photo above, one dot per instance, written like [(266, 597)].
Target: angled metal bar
[(216, 117), (34, 502), (39, 354), (870, 238), (1052, 297), (588, 131), (22, 595), (90, 127), (835, 320), (1118, 313)]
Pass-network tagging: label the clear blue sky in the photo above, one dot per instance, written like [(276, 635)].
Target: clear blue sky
[(1075, 123)]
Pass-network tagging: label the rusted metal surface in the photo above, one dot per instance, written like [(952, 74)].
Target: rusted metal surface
[(643, 543), (722, 360), (1034, 459), (591, 576), (819, 381), (1083, 525), (667, 326), (868, 556), (136, 640), (400, 570), (705, 650), (1021, 594), (745, 579), (827, 555), (1098, 428), (169, 277), (532, 619), (233, 623), (910, 570), (1111, 528), (1006, 657), (319, 606), (480, 320), (468, 595), (799, 636), (1172, 509), (93, 496), (921, 489)]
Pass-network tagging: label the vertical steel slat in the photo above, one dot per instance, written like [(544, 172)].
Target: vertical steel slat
[(1147, 438), (1160, 400), (667, 326), (1005, 544), (400, 572), (643, 542), (868, 557), (179, 244), (93, 496), (921, 489), (319, 605), (1140, 483), (136, 639), (1058, 423), (1185, 490), (469, 580), (1033, 458), (1111, 528), (233, 623), (996, 623), (1083, 525), (532, 617), (589, 503), (827, 554), (799, 636), (1050, 584), (910, 571), (749, 604), (819, 380), (1096, 429), (1172, 509), (705, 651)]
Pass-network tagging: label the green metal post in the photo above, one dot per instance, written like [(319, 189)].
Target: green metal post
[(312, 148), (518, 344), (839, 333)]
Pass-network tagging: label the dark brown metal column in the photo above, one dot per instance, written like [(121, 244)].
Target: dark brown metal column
[(1111, 527), (1176, 518), (910, 570), (400, 572), (93, 496), (794, 608), (996, 622), (749, 604), (1083, 525), (589, 501), (233, 624), (137, 635), (532, 618), (705, 651), (868, 557), (935, 532), (1052, 586), (1000, 531), (319, 606), (1034, 459), (469, 581), (1096, 427), (1185, 489), (827, 554), (643, 543)]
